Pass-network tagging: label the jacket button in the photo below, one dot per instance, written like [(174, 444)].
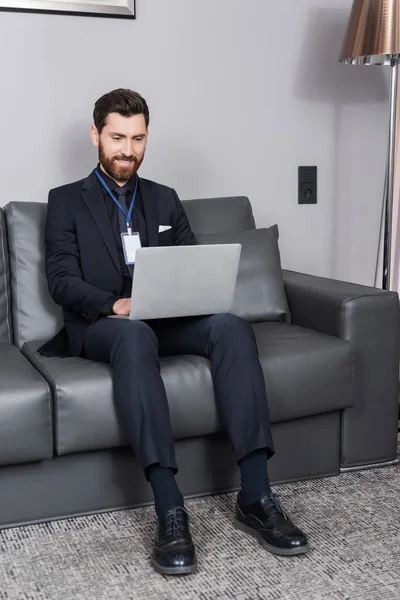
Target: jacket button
[(115, 292)]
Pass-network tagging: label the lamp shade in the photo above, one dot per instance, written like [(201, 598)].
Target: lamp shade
[(373, 33)]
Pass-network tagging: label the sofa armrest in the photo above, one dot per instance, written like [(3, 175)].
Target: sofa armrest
[(369, 318)]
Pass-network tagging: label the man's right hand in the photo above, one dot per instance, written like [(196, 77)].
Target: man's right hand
[(122, 307)]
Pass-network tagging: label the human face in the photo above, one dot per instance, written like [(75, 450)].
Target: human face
[(122, 144)]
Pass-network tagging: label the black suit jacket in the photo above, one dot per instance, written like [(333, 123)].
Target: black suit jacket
[(82, 264)]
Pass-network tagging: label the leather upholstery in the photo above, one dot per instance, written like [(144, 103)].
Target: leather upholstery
[(90, 482), (214, 215), (306, 374), (343, 335), (35, 315), (5, 290), (367, 322), (369, 319), (25, 410), (260, 292), (85, 417)]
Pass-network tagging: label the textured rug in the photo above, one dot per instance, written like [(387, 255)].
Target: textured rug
[(353, 522)]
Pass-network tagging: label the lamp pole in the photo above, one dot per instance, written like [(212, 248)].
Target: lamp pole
[(387, 242)]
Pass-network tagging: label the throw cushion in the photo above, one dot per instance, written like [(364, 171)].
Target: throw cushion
[(260, 292)]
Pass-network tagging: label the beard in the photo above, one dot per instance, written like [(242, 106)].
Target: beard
[(114, 169)]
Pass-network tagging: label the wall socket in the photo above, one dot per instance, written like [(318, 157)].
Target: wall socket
[(307, 185)]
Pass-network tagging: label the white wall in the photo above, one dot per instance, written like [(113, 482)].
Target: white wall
[(240, 94)]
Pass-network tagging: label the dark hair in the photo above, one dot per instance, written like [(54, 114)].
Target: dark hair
[(121, 101)]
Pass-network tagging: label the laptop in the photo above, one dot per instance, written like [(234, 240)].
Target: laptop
[(183, 281)]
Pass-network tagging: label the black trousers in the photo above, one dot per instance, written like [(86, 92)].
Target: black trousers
[(133, 348)]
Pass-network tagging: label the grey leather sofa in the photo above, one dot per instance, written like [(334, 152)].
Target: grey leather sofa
[(331, 376)]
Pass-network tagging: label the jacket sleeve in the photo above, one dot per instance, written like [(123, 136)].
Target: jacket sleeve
[(63, 271), (183, 234)]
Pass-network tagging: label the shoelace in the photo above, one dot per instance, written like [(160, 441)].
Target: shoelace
[(174, 521), (277, 504)]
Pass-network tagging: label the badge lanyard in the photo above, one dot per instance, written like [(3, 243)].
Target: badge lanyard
[(129, 215)]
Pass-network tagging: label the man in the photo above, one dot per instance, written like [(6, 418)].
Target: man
[(87, 224)]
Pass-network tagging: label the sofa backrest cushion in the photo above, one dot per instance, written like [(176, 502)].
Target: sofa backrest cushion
[(214, 215), (36, 316), (5, 290)]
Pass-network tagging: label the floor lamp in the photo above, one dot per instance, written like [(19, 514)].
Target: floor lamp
[(373, 38)]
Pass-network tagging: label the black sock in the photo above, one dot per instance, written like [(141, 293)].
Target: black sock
[(167, 495), (254, 476)]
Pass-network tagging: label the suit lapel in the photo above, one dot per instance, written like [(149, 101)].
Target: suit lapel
[(151, 210), (94, 201)]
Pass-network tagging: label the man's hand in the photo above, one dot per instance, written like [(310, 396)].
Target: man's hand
[(122, 307)]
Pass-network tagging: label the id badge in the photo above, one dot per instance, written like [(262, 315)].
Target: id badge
[(130, 243)]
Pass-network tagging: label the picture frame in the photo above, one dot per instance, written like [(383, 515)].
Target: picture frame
[(125, 9)]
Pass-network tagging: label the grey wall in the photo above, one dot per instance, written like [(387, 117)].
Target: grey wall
[(241, 93)]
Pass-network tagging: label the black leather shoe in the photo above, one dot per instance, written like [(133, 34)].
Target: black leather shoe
[(267, 522), (173, 552)]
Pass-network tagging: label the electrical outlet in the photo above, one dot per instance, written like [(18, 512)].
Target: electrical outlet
[(307, 185)]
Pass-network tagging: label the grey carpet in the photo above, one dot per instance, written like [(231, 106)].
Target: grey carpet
[(353, 522)]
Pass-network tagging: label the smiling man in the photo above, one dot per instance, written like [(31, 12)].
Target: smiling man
[(89, 224)]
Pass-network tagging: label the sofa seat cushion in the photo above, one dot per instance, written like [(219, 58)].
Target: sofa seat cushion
[(306, 372), (25, 410), (85, 416)]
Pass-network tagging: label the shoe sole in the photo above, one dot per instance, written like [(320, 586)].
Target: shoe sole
[(174, 570), (273, 549)]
